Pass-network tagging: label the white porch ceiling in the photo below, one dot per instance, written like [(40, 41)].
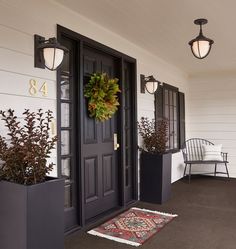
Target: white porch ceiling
[(165, 27)]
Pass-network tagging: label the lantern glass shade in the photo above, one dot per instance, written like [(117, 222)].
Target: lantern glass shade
[(201, 45), (53, 57), (201, 48), (151, 86), (48, 53)]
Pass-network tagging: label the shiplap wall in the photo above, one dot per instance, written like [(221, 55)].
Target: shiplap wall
[(211, 112), (17, 67), (20, 20)]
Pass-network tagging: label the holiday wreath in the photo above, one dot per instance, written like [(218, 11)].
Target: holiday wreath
[(101, 92)]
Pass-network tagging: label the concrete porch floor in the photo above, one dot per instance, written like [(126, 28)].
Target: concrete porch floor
[(207, 219)]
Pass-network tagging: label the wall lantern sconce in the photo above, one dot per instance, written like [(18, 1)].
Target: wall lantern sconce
[(201, 45), (149, 83), (48, 53)]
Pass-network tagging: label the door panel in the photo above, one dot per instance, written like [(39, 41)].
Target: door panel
[(107, 131), (108, 174), (90, 131), (101, 175), (91, 181)]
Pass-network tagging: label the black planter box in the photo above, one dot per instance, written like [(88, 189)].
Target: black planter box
[(32, 217), (155, 177)]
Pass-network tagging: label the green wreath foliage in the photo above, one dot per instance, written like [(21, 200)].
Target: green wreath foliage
[(101, 92)]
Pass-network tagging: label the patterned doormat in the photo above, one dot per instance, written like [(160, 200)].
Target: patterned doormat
[(134, 226)]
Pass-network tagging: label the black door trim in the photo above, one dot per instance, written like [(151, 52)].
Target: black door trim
[(82, 41)]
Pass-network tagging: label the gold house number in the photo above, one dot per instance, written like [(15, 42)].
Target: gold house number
[(34, 89)]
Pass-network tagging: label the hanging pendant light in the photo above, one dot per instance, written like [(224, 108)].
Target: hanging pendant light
[(201, 45)]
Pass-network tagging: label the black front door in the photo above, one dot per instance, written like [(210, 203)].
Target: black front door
[(97, 177), (98, 155)]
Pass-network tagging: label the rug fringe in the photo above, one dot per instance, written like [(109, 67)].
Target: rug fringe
[(124, 241), (155, 212)]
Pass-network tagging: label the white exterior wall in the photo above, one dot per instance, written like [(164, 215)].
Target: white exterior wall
[(211, 113), (20, 20)]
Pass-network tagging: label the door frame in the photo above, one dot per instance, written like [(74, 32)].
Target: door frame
[(122, 58)]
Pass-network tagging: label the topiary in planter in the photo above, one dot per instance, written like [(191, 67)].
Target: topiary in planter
[(101, 92), (25, 151)]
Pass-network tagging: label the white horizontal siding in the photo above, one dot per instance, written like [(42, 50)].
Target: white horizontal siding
[(211, 114), (19, 103), (212, 110), (213, 126), (199, 118), (8, 41), (212, 102), (213, 135), (17, 31), (19, 84)]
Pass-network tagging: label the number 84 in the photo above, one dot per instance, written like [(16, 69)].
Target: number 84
[(34, 89)]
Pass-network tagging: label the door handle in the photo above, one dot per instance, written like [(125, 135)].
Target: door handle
[(116, 145)]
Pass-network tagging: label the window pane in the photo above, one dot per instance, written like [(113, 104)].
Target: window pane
[(171, 128), (65, 115), (65, 142), (65, 168), (166, 97), (175, 113), (171, 113), (171, 142), (170, 97), (166, 112), (168, 145), (175, 127), (175, 142), (174, 98), (65, 88)]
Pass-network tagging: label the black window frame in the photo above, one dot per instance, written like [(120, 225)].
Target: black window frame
[(160, 113)]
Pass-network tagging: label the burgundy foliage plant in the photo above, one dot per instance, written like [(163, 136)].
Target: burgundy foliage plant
[(154, 135), (26, 148)]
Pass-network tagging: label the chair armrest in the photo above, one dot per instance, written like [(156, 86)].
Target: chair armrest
[(225, 156)]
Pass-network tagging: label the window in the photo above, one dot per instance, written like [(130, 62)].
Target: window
[(169, 104), (66, 105)]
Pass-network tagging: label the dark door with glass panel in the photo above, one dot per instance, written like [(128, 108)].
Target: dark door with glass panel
[(68, 149), (98, 178), (99, 158)]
